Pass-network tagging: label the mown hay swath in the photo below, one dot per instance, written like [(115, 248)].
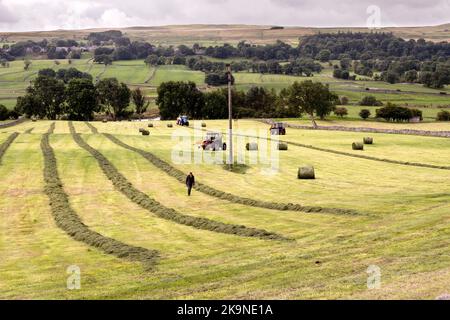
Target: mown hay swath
[(51, 129), (181, 176), (29, 131), (68, 220), (5, 145), (123, 185), (93, 129)]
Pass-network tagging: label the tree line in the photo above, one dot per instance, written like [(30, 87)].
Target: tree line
[(184, 98), (72, 95)]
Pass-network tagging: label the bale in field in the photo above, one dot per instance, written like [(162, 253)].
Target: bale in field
[(357, 146), (368, 140), (203, 125), (282, 146), (252, 146), (169, 125), (150, 125), (145, 132), (306, 173), (34, 119), (141, 130), (104, 120)]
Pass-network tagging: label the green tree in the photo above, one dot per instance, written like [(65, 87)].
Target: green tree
[(26, 64), (364, 114), (49, 93), (4, 112), (114, 97), (175, 98), (312, 97), (138, 98), (29, 106), (324, 55), (81, 99), (215, 106), (341, 111)]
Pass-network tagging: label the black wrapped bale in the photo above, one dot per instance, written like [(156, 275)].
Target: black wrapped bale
[(357, 146), (252, 146), (145, 132), (282, 146), (306, 173), (368, 140)]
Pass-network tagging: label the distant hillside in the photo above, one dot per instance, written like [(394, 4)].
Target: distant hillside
[(211, 34)]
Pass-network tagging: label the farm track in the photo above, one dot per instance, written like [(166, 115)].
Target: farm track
[(68, 220), (93, 129), (151, 75), (5, 145), (123, 185), (210, 191)]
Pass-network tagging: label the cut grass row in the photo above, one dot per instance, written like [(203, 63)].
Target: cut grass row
[(208, 190), (123, 185), (5, 145), (93, 129), (68, 220)]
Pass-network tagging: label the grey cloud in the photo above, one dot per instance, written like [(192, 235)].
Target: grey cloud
[(52, 14)]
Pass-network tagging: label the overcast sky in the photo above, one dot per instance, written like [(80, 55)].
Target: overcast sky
[(22, 15)]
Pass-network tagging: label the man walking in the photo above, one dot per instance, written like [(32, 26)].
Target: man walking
[(190, 183)]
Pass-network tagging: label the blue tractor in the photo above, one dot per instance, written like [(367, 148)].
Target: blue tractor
[(183, 121)]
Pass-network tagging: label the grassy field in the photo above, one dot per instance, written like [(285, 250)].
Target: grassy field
[(400, 226), (14, 80)]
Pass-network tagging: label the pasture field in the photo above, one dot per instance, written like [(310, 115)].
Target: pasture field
[(390, 215), (14, 80)]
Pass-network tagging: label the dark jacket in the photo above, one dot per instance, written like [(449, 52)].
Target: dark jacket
[(190, 181)]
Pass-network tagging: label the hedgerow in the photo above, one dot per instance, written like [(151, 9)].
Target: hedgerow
[(5, 145), (143, 200), (68, 220), (181, 176), (93, 129)]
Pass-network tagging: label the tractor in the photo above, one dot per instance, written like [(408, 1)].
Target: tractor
[(278, 129), (183, 121), (214, 142)]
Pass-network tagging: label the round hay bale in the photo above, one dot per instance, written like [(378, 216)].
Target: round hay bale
[(251, 146), (34, 120), (203, 125), (368, 140), (145, 132), (105, 120), (282, 146), (150, 125), (141, 130), (357, 146), (306, 173), (169, 125)]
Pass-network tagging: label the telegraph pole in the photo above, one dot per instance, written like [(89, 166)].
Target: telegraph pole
[(230, 119)]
